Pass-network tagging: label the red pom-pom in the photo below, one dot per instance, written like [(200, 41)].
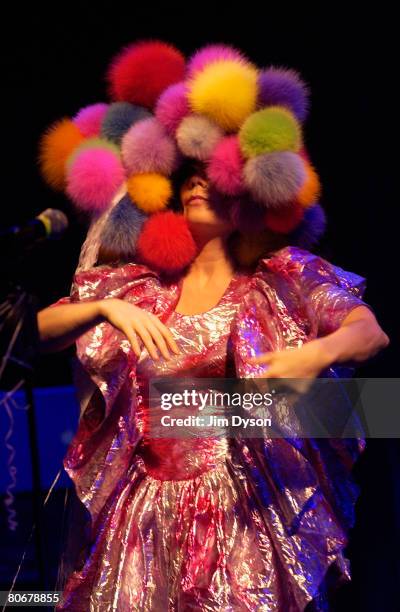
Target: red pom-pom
[(285, 219), (141, 71), (166, 243)]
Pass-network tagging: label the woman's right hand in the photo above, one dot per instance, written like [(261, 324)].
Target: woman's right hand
[(134, 321)]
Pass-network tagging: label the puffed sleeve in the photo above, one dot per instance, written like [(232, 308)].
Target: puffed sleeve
[(109, 426), (293, 297), (330, 292), (104, 351)]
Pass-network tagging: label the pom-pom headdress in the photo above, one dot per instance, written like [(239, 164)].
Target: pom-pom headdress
[(119, 161)]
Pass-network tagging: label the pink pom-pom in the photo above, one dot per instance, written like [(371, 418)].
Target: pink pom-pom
[(226, 165), (88, 120), (172, 107), (166, 243), (212, 53), (146, 147), (93, 178)]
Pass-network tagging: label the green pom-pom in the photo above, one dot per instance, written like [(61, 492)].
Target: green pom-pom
[(270, 129)]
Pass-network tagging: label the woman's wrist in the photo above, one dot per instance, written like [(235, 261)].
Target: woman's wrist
[(101, 309)]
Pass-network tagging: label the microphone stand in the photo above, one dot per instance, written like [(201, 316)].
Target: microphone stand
[(19, 341)]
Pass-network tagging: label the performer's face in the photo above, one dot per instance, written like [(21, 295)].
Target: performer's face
[(198, 208)]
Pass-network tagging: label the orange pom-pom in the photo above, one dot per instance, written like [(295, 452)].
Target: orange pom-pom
[(310, 191), (55, 146), (150, 191)]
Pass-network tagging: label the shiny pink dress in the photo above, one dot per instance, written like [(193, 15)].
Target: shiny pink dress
[(208, 524)]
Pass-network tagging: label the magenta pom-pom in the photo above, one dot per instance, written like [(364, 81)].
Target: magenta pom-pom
[(172, 107), (274, 178), (89, 119), (146, 147), (284, 87), (210, 54), (93, 178), (166, 243), (226, 165)]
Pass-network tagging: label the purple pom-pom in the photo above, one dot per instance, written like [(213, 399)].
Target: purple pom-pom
[(274, 178), (119, 118), (172, 107), (146, 147), (212, 53), (311, 227), (284, 87), (93, 177), (89, 119)]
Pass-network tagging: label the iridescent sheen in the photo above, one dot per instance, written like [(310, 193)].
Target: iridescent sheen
[(209, 524)]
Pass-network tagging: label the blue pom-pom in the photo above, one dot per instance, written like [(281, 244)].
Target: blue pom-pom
[(121, 231), (310, 229), (119, 118)]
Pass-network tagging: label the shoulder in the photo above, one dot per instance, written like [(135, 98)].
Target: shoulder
[(107, 280)]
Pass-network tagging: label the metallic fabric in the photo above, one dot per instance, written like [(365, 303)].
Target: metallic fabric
[(208, 524)]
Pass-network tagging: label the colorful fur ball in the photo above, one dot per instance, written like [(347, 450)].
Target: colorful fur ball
[(311, 228), (274, 178), (146, 147), (119, 118), (284, 87), (225, 168), (172, 107), (94, 175), (268, 130), (55, 146), (286, 219), (210, 54), (166, 243), (89, 119), (225, 91), (120, 233), (141, 72), (151, 192), (197, 137)]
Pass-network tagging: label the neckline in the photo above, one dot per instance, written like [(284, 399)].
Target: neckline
[(220, 301)]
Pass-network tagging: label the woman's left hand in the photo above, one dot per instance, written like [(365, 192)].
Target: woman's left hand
[(306, 361)]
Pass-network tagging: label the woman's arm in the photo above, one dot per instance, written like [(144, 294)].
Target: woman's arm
[(358, 338), (59, 326)]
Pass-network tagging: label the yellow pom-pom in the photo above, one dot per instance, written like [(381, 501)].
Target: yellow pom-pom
[(225, 91), (310, 191), (55, 146), (150, 192)]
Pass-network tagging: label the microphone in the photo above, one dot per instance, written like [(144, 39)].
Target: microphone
[(51, 223)]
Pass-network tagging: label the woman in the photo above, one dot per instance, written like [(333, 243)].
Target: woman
[(202, 524), (218, 289)]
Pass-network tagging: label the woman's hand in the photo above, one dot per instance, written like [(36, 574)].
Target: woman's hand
[(358, 338), (304, 362), (134, 321)]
